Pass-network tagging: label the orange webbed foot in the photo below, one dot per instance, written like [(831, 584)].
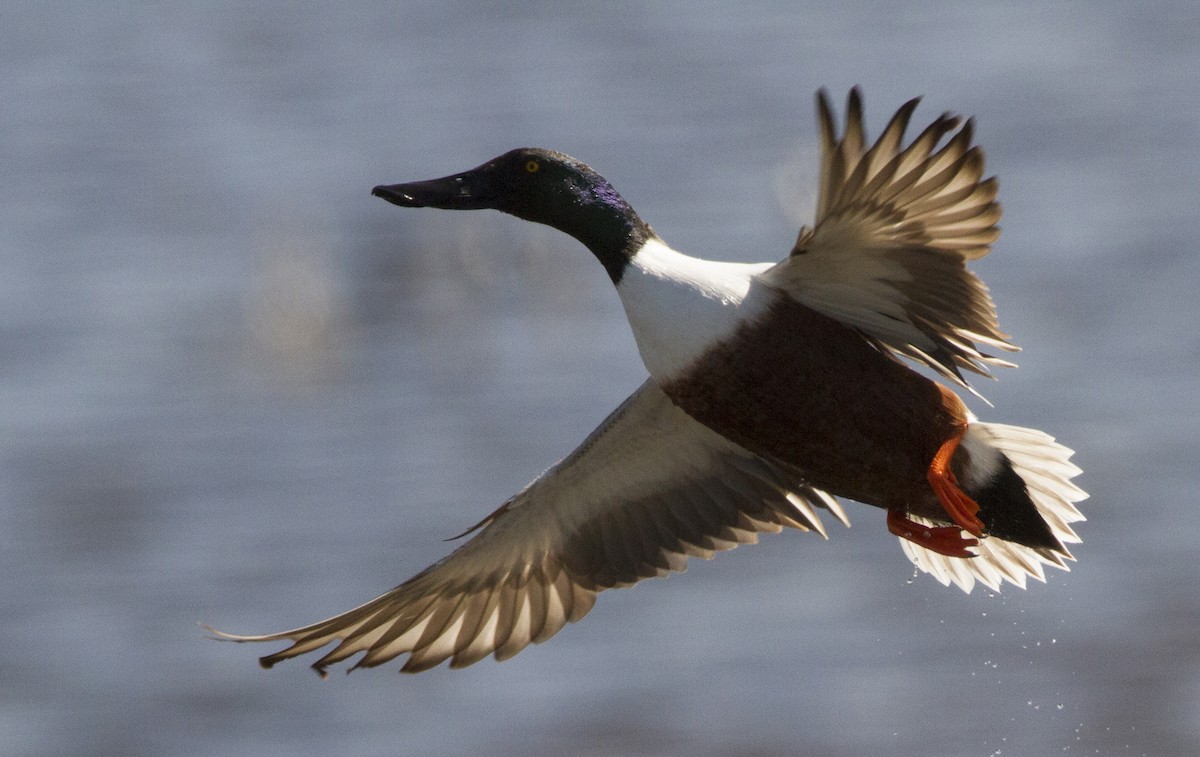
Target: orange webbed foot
[(961, 508), (945, 540)]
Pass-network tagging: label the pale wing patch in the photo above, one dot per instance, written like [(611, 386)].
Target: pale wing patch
[(648, 489), (895, 226), (1047, 470)]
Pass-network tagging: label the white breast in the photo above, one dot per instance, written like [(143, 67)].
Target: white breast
[(678, 306)]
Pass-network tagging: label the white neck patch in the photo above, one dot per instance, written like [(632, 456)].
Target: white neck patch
[(679, 306)]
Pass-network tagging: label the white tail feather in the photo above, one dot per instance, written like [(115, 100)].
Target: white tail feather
[(1047, 471)]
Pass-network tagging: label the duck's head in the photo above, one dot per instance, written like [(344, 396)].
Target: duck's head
[(541, 186)]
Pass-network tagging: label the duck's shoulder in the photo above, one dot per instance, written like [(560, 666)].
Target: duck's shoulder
[(680, 306)]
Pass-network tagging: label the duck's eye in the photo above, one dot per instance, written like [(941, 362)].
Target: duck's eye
[(532, 166)]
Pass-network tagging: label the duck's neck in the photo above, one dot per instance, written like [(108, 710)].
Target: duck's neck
[(613, 237), (590, 210)]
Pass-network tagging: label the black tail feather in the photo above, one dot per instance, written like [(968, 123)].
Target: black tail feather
[(1008, 512)]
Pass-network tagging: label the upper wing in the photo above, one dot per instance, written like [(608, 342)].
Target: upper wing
[(895, 226), (649, 488)]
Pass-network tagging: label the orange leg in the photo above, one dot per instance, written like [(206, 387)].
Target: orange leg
[(961, 508), (945, 540)]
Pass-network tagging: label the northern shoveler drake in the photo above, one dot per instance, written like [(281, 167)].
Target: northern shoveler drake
[(773, 389)]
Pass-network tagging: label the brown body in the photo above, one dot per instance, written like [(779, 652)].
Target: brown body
[(853, 419)]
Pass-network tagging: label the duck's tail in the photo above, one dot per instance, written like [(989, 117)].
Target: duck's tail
[(1021, 479)]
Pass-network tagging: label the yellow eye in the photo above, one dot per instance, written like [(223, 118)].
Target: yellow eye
[(532, 166)]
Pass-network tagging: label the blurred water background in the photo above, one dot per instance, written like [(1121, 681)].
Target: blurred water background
[(235, 388)]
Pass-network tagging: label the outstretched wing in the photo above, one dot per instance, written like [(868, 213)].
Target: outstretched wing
[(649, 488), (895, 226)]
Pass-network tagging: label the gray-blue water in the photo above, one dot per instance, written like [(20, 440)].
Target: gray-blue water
[(235, 388)]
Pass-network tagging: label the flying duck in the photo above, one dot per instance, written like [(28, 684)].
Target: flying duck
[(773, 389)]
